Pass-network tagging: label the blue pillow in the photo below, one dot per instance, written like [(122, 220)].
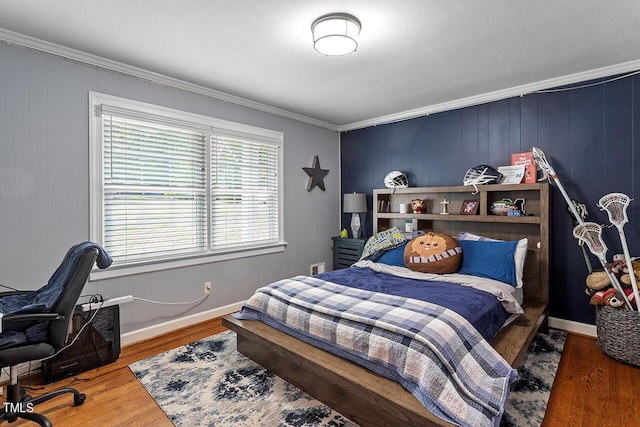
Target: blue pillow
[(393, 256), (493, 260)]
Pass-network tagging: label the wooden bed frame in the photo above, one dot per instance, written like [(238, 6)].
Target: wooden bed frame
[(368, 398)]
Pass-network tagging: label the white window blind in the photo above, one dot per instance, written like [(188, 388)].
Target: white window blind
[(244, 192), (170, 188), (155, 190)]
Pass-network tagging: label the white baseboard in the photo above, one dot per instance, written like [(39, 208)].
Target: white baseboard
[(163, 328), (571, 326)]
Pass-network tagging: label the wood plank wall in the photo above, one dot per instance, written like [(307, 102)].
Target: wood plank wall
[(44, 187), (590, 135)]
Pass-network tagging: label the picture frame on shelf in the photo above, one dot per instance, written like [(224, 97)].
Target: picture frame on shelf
[(469, 207)]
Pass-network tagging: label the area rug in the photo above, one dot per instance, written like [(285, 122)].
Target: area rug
[(208, 383), (529, 395)]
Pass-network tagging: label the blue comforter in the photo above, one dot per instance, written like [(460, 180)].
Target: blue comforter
[(479, 308)]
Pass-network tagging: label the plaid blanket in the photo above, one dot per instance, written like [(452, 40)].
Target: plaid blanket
[(432, 351)]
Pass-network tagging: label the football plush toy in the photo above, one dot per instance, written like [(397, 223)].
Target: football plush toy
[(432, 252)]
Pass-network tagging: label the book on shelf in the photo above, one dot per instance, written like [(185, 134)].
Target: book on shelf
[(383, 206), (527, 160)]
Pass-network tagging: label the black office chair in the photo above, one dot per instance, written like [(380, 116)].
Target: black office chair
[(35, 325)]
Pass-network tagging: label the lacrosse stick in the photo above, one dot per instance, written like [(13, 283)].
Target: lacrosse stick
[(582, 210), (541, 160), (616, 206), (591, 234), (578, 210)]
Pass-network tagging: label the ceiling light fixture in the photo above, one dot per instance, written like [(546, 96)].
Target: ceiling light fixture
[(335, 34)]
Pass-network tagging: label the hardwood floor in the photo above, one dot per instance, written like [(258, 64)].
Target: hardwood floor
[(114, 395), (590, 389)]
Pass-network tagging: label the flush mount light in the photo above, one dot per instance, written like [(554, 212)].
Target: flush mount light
[(335, 34)]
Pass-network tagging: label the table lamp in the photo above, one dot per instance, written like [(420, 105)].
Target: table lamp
[(355, 203)]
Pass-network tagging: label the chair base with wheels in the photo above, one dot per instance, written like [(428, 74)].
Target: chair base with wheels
[(21, 405)]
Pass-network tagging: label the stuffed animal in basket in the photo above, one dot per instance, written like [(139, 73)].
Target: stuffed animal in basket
[(630, 296), (609, 297), (618, 265), (417, 206), (625, 278), (597, 281)]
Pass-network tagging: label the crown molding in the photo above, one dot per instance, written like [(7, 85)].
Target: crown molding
[(612, 70), (17, 39)]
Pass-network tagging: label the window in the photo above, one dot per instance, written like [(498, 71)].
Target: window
[(170, 188)]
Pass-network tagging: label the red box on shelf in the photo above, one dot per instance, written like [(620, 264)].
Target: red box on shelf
[(527, 160)]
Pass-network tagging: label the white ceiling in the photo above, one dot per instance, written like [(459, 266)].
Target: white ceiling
[(414, 56)]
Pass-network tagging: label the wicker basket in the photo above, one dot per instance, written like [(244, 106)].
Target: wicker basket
[(619, 333)]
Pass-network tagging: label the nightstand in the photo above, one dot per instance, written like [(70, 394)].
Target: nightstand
[(346, 251)]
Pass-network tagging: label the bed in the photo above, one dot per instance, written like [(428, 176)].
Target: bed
[(362, 393)]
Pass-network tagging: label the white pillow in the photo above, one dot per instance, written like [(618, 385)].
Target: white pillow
[(519, 256)]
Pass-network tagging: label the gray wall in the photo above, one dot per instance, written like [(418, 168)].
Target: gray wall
[(44, 187)]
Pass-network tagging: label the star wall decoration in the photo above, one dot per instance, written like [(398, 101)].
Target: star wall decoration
[(316, 175)]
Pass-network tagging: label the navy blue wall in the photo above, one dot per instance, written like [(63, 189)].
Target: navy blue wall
[(591, 137)]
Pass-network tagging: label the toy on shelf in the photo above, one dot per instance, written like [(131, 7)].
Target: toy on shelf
[(417, 206), (508, 207)]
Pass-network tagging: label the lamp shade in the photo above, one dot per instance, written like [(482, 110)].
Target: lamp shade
[(335, 34), (355, 202)]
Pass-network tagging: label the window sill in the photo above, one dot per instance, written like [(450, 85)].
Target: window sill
[(130, 270)]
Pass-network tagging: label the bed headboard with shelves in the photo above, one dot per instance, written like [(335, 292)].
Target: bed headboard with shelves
[(534, 225)]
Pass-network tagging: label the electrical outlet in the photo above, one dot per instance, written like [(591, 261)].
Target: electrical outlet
[(316, 268), (207, 288)]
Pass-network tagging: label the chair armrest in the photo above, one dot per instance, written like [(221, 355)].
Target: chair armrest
[(11, 293), (30, 317)]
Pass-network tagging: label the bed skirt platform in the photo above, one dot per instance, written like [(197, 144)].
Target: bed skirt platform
[(356, 392)]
